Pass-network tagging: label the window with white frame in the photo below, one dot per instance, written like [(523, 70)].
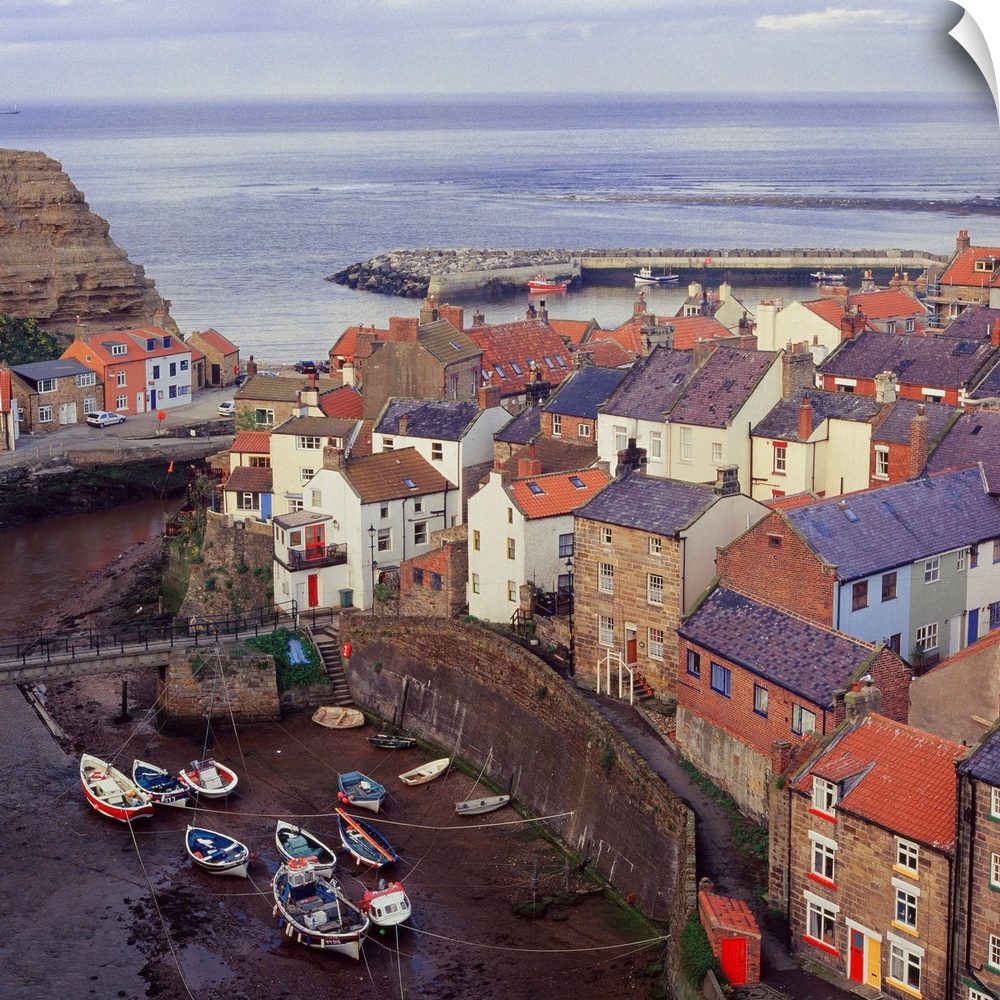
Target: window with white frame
[(760, 699), (418, 505), (881, 462), (906, 905), (932, 570), (605, 631), (475, 583), (824, 857), (512, 590), (566, 545), (85, 379), (907, 856), (927, 637), (294, 504), (621, 438), (605, 535), (46, 385), (685, 444), (122, 377), (656, 643), (316, 498), (716, 452), (655, 545), (780, 458), (655, 446), (995, 871), (44, 414), (306, 474), (121, 402), (90, 404), (437, 451), (247, 501), (654, 588), (961, 560), (803, 721), (388, 444), (824, 796), (606, 578), (583, 430), (993, 952), (556, 424), (905, 960), (477, 539), (420, 533), (975, 994), (384, 540), (511, 548), (995, 803), (118, 349), (308, 442), (821, 923), (264, 416)]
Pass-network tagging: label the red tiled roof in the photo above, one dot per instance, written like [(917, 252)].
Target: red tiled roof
[(909, 784), (626, 335), (607, 353), (520, 342), (342, 402), (559, 493), (255, 442), (791, 502), (887, 303), (730, 914), (688, 330), (347, 345), (215, 339), (574, 330), (962, 270), (135, 345)]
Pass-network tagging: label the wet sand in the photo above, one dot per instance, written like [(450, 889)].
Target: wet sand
[(94, 908)]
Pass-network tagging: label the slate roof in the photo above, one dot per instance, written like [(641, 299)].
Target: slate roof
[(252, 442), (522, 429), (864, 533), (584, 391), (333, 427), (962, 269), (973, 323), (800, 656), (446, 343), (908, 782), (943, 362), (244, 479), (560, 492), (652, 385), (440, 419), (988, 387), (983, 763), (659, 506), (974, 437), (783, 420), (895, 425), (35, 371), (382, 476), (519, 343), (721, 387)]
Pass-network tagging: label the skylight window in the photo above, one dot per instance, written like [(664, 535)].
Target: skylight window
[(577, 482), (728, 384), (500, 372), (848, 513), (409, 483), (516, 367), (559, 361), (965, 347), (535, 489), (453, 344), (550, 363), (679, 377)]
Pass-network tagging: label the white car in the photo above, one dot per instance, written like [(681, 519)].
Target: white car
[(103, 418), (228, 408)]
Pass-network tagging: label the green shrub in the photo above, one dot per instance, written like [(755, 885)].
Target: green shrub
[(291, 675), (210, 583), (697, 959)]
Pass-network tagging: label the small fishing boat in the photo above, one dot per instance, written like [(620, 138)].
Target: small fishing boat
[(293, 842), (357, 789), (476, 807), (389, 742), (314, 910), (110, 792), (426, 772), (216, 852), (164, 788), (208, 778), (364, 842), (540, 283), (822, 278), (387, 905), (645, 276), (335, 717)]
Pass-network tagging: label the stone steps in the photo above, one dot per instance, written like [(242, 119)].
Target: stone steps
[(328, 644)]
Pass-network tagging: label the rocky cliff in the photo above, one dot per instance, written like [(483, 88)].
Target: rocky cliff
[(57, 261)]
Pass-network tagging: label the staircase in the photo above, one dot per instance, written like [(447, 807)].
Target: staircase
[(643, 689), (328, 644)]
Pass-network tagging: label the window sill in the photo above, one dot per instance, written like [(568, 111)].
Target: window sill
[(829, 949), (822, 815), (821, 880), (908, 872), (897, 926), (908, 990)]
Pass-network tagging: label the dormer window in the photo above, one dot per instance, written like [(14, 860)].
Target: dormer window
[(824, 796), (167, 342), (988, 264), (118, 348), (150, 344)]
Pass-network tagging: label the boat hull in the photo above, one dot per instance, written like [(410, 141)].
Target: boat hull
[(387, 742), (387, 906), (201, 780), (160, 785), (111, 793), (476, 807), (293, 842), (334, 717), (364, 843), (216, 852), (427, 772), (360, 791)]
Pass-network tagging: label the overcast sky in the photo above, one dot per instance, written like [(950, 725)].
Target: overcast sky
[(139, 50)]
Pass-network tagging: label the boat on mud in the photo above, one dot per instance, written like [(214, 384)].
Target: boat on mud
[(164, 788), (366, 845), (112, 793), (357, 789), (209, 778), (217, 852), (387, 905), (426, 772), (476, 807), (293, 842)]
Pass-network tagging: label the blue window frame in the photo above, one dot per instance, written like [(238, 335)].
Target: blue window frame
[(721, 679)]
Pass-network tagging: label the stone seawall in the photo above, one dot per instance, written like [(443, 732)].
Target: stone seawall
[(496, 706)]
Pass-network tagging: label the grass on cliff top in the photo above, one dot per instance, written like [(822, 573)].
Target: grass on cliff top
[(291, 675)]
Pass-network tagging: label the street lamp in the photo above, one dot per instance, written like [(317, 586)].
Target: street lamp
[(569, 574), (371, 542)]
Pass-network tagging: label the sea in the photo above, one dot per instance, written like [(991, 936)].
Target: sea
[(239, 211)]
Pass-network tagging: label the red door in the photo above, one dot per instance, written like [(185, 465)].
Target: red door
[(734, 960), (313, 582), (857, 960), (630, 650)]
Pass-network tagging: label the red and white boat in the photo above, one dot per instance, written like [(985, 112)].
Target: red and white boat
[(209, 778), (387, 905), (539, 283), (111, 793)]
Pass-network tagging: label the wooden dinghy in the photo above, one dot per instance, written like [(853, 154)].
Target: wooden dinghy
[(357, 789), (217, 852), (315, 912), (389, 742), (293, 843), (426, 772), (366, 845), (387, 905), (208, 778), (476, 807), (335, 717), (164, 788), (111, 793)]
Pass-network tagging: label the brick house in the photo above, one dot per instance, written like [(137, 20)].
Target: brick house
[(9, 430), (644, 549), (53, 394), (222, 357), (267, 401), (904, 435), (862, 847), (571, 411), (433, 584), (751, 674)]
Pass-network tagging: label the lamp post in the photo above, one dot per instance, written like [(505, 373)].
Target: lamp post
[(371, 544), (572, 638)]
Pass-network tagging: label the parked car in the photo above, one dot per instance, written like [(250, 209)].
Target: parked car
[(102, 418), (270, 374), (324, 366), (240, 379), (306, 367), (228, 408)]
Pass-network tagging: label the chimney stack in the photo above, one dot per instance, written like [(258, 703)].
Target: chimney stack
[(403, 329), (429, 311), (334, 458), (639, 306), (919, 443), (347, 373), (798, 373), (727, 481), (478, 319), (995, 334), (454, 315), (403, 427), (805, 418), (488, 396), (251, 366), (963, 242), (885, 387), (702, 351)]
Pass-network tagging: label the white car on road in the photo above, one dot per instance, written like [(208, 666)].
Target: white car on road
[(103, 418)]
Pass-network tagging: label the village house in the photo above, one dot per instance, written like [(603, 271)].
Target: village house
[(904, 434), (9, 430), (53, 394), (222, 357), (910, 565), (571, 412), (264, 401), (968, 438), (750, 673), (862, 847), (966, 280), (644, 551), (248, 490), (434, 583)]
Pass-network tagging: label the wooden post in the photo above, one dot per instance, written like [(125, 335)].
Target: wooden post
[(124, 701)]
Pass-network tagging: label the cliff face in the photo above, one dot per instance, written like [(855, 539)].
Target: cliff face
[(57, 261)]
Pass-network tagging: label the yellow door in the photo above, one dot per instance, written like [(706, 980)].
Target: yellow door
[(874, 963)]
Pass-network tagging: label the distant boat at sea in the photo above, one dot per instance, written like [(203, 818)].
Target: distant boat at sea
[(10, 111)]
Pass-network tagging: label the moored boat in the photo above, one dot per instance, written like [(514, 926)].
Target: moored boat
[(475, 807), (164, 788), (645, 276), (111, 793), (359, 790), (293, 842), (540, 283), (217, 852), (335, 717), (426, 772), (389, 742), (387, 905), (364, 842), (314, 910), (822, 278), (209, 778)]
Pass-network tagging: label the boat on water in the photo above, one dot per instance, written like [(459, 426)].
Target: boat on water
[(822, 278), (164, 788), (359, 790), (645, 276), (209, 778), (426, 772), (389, 742), (335, 717), (10, 111), (293, 843), (112, 793), (217, 852), (314, 910), (366, 845), (387, 905), (476, 807), (540, 283)]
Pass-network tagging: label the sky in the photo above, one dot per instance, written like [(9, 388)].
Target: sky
[(161, 50)]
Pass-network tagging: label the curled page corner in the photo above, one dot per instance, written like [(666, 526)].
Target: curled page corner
[(979, 34)]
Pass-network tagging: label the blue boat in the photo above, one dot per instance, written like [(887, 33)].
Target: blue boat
[(364, 842), (359, 790), (162, 787)]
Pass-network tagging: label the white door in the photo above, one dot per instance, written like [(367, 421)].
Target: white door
[(67, 413), (140, 402)]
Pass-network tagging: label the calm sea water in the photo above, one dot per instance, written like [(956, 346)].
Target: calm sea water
[(239, 211)]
